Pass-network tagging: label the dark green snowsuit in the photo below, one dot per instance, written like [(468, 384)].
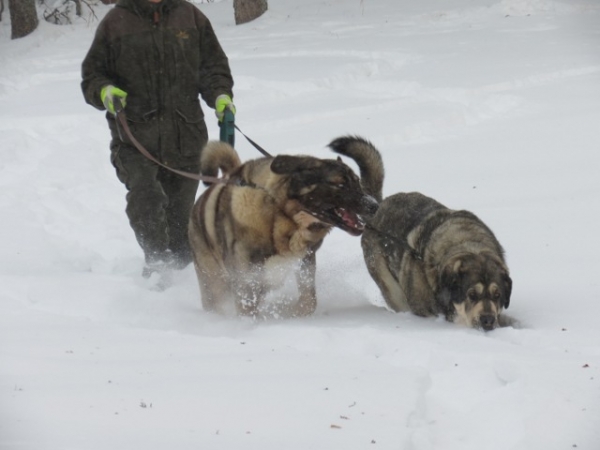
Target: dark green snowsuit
[(164, 56)]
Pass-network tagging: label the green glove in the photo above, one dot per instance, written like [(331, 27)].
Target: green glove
[(223, 101), (109, 93)]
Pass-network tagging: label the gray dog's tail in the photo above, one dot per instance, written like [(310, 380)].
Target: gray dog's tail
[(368, 159)]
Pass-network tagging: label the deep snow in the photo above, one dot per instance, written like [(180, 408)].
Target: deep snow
[(490, 106)]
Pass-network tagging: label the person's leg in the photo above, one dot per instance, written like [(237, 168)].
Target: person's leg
[(146, 203), (181, 194)]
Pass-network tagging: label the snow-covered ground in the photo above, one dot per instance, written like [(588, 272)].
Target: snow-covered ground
[(489, 105)]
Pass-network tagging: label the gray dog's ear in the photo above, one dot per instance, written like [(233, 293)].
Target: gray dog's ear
[(449, 283), (285, 164), (444, 296), (507, 280)]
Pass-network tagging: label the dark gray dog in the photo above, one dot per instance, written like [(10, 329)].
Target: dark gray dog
[(427, 258)]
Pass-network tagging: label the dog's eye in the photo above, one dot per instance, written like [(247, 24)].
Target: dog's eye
[(496, 295), (472, 295)]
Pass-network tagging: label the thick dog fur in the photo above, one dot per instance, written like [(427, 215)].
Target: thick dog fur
[(429, 259), (270, 212)]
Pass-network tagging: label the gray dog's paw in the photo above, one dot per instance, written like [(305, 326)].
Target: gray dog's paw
[(507, 321)]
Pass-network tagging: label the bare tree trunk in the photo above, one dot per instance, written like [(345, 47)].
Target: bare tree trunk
[(247, 10), (23, 17), (1, 9)]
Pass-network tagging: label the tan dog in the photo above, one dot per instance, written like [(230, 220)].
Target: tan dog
[(271, 211), (429, 259)]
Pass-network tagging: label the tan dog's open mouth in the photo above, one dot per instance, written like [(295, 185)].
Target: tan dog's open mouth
[(341, 218)]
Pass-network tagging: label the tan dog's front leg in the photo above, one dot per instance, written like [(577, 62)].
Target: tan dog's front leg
[(305, 278), (249, 295), (298, 242)]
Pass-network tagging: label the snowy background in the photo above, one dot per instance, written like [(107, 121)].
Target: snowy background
[(488, 105)]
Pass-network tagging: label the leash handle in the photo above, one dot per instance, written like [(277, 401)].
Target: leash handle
[(227, 126)]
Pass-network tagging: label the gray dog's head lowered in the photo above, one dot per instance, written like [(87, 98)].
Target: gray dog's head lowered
[(478, 287)]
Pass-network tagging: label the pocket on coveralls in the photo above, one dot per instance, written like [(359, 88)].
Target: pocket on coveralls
[(192, 131)]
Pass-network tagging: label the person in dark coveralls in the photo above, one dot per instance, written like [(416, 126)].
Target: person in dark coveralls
[(157, 57)]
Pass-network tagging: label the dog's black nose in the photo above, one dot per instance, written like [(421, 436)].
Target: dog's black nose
[(487, 321), (369, 204)]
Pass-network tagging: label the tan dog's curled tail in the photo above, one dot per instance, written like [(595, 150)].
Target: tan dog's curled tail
[(217, 156)]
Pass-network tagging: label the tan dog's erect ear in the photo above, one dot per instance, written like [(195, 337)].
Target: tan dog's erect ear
[(284, 164)]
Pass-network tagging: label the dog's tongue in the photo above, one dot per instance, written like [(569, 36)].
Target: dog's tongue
[(350, 219)]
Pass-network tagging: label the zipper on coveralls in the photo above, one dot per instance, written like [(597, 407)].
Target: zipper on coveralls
[(159, 42)]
